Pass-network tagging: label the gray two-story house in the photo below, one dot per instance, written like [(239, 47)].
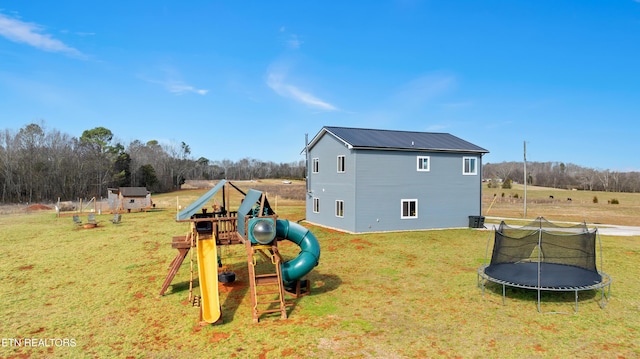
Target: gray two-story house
[(367, 180)]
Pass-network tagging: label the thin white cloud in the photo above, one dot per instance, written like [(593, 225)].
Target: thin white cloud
[(32, 34), (178, 87), (173, 83), (276, 82), (294, 42)]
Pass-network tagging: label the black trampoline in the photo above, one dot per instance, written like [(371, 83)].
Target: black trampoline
[(544, 256)]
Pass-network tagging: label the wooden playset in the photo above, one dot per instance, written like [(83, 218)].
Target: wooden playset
[(256, 226)]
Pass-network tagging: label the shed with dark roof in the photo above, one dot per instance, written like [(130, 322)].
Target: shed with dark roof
[(129, 198), (367, 180)]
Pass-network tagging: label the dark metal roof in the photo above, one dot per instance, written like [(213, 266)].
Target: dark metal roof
[(363, 138), (133, 191)]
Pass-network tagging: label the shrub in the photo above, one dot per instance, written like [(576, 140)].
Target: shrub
[(507, 183), (595, 199), (614, 201), (493, 183), (516, 196)]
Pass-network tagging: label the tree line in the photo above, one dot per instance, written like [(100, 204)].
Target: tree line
[(561, 175), (40, 165)]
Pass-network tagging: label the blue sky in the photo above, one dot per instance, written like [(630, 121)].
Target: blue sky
[(236, 79)]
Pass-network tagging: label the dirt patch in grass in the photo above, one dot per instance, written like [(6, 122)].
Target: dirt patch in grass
[(38, 207), (216, 337)]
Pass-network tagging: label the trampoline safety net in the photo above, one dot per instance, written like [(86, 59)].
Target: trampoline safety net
[(545, 242)]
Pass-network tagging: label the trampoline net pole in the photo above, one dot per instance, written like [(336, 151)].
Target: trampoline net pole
[(539, 257), (600, 249), (486, 252), (539, 262)]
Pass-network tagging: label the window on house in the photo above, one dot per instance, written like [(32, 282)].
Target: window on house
[(339, 208), (409, 208), (424, 163), (469, 166), (315, 163), (340, 164), (316, 205)]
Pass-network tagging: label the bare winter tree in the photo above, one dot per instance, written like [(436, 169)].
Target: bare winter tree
[(37, 164)]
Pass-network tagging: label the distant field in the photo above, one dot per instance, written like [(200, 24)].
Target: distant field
[(551, 203), (383, 295), (286, 189), (563, 205)]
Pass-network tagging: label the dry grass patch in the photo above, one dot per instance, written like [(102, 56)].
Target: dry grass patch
[(562, 205)]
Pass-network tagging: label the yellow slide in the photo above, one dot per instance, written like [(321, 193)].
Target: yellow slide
[(208, 277)]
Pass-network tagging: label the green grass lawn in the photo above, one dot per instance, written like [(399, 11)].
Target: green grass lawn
[(391, 295)]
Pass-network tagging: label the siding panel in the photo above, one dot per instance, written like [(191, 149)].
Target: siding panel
[(445, 197), (328, 185)]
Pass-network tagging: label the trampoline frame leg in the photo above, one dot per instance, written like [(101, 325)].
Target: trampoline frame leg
[(603, 301)]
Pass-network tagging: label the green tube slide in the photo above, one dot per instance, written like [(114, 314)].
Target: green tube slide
[(309, 250)]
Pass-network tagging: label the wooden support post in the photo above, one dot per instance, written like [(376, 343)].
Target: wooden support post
[(173, 269), (183, 245)]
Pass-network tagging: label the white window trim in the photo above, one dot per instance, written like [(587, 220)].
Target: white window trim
[(475, 167), (428, 164), (315, 165), (342, 208), (343, 163), (316, 205), (402, 201)]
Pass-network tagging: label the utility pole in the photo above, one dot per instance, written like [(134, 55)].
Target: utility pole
[(525, 179)]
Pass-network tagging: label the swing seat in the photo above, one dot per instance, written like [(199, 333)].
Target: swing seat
[(226, 277)]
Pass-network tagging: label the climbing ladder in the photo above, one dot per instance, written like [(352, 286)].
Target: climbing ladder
[(267, 289)]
